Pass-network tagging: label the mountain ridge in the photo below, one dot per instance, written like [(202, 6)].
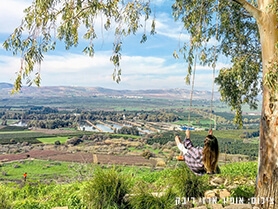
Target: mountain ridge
[(80, 91)]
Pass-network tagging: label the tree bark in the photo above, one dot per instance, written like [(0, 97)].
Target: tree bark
[(267, 179)]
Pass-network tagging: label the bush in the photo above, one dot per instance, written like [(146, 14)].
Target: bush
[(41, 196), (246, 169), (27, 204), (57, 142), (143, 198), (4, 198), (106, 189), (147, 154), (188, 184), (245, 191)]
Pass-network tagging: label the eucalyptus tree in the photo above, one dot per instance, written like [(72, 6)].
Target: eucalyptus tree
[(244, 31)]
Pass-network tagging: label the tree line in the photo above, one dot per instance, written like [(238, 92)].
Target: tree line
[(52, 118)]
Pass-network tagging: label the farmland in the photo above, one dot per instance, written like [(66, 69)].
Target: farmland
[(50, 142), (60, 128)]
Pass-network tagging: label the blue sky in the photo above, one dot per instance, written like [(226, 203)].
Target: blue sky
[(144, 66)]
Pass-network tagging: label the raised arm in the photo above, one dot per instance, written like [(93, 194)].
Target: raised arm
[(187, 134), (210, 132)]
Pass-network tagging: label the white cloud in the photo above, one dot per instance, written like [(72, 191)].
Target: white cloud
[(11, 13), (139, 71), (8, 67), (166, 26)]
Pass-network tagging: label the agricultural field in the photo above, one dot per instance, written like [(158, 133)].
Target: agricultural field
[(52, 140), (63, 163)]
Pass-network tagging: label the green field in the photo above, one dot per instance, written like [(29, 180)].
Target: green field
[(21, 136), (84, 185), (52, 140), (42, 170)]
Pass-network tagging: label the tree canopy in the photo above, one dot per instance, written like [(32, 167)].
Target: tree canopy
[(47, 22)]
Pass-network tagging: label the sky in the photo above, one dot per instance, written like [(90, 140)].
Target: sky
[(144, 66)]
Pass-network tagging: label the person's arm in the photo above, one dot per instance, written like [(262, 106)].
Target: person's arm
[(180, 145), (187, 134), (187, 142), (210, 132)]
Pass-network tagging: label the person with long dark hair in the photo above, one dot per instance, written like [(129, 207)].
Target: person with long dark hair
[(200, 160)]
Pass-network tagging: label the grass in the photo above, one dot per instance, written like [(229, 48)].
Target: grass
[(20, 136), (38, 170), (52, 140), (106, 187), (46, 169), (245, 169)]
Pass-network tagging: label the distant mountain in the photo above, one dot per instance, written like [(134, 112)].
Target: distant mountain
[(76, 91), (5, 85)]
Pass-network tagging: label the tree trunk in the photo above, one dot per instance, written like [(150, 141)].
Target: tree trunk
[(267, 179)]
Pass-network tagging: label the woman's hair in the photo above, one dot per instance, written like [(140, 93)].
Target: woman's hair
[(211, 154)]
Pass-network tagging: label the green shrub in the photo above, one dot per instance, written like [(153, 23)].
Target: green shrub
[(44, 196), (27, 204), (188, 184), (57, 142), (244, 169), (106, 189), (245, 191), (4, 198), (144, 198)]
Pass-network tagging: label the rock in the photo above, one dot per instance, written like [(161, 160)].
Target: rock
[(85, 137), (217, 181), (209, 194), (219, 193), (160, 163), (215, 206), (156, 146), (222, 193), (74, 141), (200, 207), (24, 144), (239, 206)]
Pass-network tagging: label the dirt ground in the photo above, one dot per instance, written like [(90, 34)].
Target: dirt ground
[(81, 157)]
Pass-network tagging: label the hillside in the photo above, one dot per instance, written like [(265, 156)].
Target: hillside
[(74, 91)]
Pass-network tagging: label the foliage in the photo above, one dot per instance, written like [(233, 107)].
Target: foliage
[(106, 189), (244, 191), (21, 136), (109, 187), (235, 32), (12, 128), (128, 130), (147, 154), (38, 195), (146, 175), (230, 141), (246, 169), (188, 184), (200, 117), (236, 39), (238, 86), (49, 21), (144, 198), (5, 201)]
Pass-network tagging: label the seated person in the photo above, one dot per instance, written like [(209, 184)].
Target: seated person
[(200, 160)]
